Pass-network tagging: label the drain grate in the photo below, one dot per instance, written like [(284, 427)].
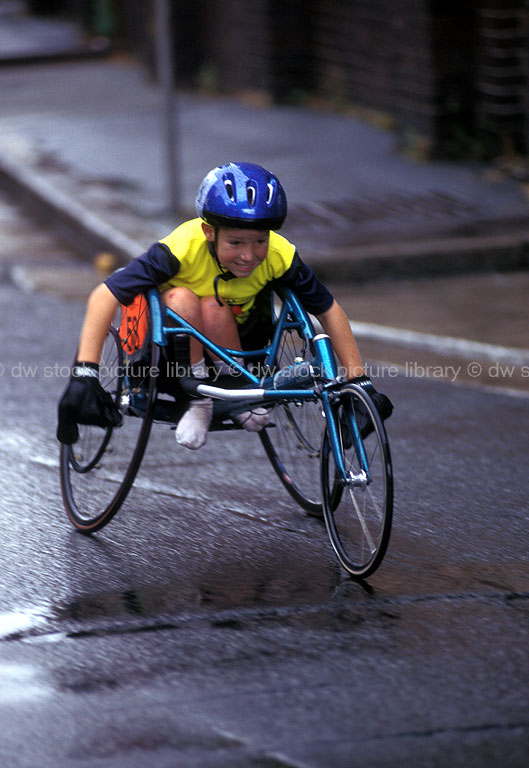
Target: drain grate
[(432, 206)]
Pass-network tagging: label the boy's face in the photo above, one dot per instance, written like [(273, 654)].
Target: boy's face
[(239, 250)]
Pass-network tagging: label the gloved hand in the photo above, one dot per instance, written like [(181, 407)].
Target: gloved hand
[(84, 401), (382, 403)]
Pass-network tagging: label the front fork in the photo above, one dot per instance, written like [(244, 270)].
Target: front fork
[(331, 399), (323, 351)]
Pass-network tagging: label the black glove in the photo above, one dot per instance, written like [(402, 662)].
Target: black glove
[(382, 403), (84, 401)]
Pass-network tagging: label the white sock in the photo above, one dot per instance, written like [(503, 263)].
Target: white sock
[(253, 421), (192, 429)]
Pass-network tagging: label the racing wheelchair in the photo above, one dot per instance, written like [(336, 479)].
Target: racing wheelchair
[(325, 439)]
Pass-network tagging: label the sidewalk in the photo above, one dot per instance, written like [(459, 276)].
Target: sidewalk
[(82, 139)]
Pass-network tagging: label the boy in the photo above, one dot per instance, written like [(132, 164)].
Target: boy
[(210, 271)]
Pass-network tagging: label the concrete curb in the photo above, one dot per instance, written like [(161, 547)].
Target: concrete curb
[(428, 258), (88, 235), (442, 345), (33, 58)]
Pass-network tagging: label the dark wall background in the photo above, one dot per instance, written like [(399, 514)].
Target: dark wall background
[(451, 74)]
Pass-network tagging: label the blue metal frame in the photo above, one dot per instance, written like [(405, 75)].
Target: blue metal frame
[(326, 368)]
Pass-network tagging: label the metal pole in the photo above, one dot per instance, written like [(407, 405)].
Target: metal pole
[(166, 78)]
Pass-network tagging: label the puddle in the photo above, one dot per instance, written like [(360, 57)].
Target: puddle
[(183, 600), (220, 586)]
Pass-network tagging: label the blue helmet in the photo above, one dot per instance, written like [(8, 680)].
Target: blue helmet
[(242, 195)]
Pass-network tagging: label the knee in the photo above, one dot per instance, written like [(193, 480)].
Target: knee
[(182, 300), (211, 308), (178, 295)]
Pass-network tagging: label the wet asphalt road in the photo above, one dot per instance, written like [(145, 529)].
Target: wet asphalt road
[(209, 623)]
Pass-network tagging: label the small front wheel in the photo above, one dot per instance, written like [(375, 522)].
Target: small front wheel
[(358, 508)]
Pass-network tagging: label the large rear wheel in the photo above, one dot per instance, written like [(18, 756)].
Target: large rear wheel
[(98, 470), (292, 441)]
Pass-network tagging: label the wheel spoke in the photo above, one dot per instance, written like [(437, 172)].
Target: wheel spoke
[(293, 443)]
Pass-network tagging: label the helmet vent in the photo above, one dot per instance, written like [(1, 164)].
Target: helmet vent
[(251, 194), (229, 188), (271, 190)]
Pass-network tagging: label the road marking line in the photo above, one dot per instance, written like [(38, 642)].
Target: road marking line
[(446, 345)]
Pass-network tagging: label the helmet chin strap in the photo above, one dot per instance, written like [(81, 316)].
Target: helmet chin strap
[(225, 274)]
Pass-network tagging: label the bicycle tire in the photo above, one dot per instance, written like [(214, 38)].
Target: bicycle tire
[(97, 472), (358, 517), (292, 441)]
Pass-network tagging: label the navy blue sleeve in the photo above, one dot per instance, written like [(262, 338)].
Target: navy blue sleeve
[(154, 267), (313, 294)]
